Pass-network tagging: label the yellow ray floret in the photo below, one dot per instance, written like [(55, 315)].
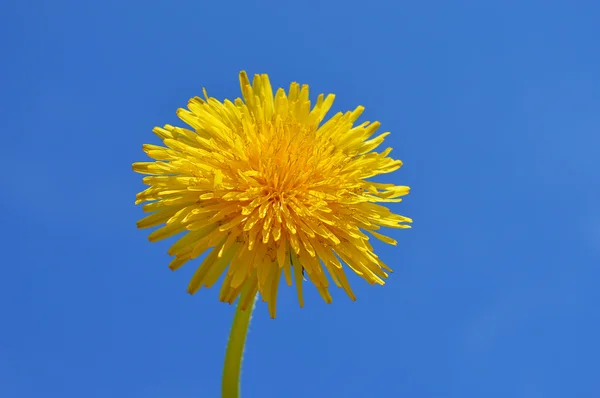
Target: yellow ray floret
[(273, 190)]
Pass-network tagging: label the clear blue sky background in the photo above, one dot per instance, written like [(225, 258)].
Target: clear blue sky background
[(493, 107)]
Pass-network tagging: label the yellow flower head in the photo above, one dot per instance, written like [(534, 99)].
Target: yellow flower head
[(272, 190)]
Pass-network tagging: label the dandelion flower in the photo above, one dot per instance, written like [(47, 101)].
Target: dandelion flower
[(272, 189)]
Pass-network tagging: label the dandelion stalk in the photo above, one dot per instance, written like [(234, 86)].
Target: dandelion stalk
[(235, 346)]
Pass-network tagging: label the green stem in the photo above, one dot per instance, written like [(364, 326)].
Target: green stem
[(235, 348)]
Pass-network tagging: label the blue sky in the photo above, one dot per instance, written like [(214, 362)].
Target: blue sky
[(493, 107)]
